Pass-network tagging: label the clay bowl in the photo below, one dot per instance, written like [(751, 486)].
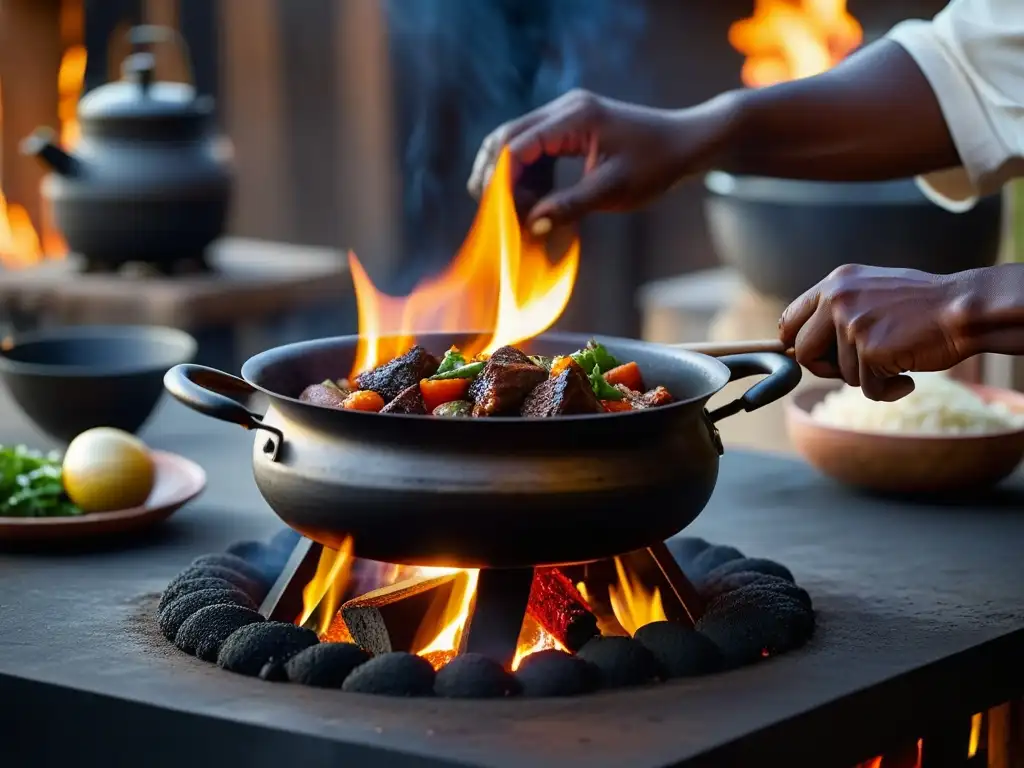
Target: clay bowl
[(70, 379), (906, 465)]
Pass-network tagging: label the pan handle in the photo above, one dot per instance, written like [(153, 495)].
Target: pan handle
[(212, 392), (783, 375)]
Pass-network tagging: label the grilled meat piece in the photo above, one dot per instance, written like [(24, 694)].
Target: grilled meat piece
[(652, 398), (409, 400), (326, 394), (566, 394), (395, 376), (504, 383)]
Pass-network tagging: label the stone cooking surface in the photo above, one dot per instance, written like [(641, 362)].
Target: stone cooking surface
[(919, 612)]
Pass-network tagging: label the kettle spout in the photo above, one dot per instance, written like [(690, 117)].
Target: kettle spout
[(43, 146)]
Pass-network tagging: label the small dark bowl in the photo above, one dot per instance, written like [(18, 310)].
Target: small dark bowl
[(71, 379)]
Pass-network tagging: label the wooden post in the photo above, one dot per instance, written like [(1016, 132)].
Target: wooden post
[(30, 53)]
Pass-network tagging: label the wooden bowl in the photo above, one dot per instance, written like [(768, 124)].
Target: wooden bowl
[(905, 464)]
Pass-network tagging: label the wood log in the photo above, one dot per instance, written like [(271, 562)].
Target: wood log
[(284, 601), (560, 610), (1005, 739), (389, 619)]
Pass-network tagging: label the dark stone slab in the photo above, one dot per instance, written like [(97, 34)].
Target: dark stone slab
[(920, 617)]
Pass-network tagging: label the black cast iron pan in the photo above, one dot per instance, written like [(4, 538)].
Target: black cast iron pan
[(500, 492)]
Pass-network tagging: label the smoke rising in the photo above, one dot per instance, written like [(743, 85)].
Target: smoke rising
[(462, 67)]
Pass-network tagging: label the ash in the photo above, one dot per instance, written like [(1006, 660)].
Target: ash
[(754, 610)]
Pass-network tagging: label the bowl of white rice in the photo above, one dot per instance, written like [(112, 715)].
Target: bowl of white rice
[(945, 436)]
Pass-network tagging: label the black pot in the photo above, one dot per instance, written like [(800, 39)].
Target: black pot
[(500, 492), (783, 236), (150, 180)]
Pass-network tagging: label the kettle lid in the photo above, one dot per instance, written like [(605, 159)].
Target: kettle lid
[(137, 95)]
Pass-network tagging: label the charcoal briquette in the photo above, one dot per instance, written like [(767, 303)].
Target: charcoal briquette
[(753, 622), (392, 674), (711, 591), (178, 610), (203, 633), (756, 564), (556, 673), (680, 650), (273, 672), (248, 649), (474, 676), (325, 665), (234, 563), (621, 661), (254, 589), (178, 588), (709, 559), (685, 548)]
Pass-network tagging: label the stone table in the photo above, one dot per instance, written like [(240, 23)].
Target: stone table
[(921, 619)]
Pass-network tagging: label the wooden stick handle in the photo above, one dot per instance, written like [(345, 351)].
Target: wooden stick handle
[(721, 349)]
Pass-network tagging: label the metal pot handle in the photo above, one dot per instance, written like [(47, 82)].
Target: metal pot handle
[(783, 375), (212, 392)]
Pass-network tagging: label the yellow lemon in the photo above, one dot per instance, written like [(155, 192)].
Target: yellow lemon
[(106, 469)]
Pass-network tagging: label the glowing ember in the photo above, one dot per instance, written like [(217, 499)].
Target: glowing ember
[(501, 283), (532, 639), (325, 590), (790, 39)]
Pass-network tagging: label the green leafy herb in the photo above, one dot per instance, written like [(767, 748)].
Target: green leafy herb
[(467, 371), (594, 354), (602, 388), (452, 359), (544, 361), (31, 486)]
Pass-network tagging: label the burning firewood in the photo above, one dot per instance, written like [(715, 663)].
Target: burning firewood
[(560, 609), (387, 619)]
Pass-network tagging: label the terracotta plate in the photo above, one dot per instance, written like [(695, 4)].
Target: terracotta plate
[(178, 481)]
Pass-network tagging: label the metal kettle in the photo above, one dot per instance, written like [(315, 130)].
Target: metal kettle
[(150, 180)]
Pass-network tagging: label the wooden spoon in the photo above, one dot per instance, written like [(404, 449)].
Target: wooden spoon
[(721, 349)]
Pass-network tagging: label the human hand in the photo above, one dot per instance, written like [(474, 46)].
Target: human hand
[(633, 153), (868, 325)]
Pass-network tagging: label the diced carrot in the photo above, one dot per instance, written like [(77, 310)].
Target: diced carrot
[(614, 406), (560, 364), (363, 400), (440, 391), (627, 374)]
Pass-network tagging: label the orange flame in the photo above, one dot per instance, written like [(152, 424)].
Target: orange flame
[(21, 244), (633, 604), (500, 283), (790, 39), (322, 595), (534, 638)]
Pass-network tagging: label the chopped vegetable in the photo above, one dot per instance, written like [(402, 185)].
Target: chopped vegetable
[(457, 409), (559, 364), (31, 485), (614, 406), (544, 361), (594, 354), (602, 388), (627, 374), (363, 400), (452, 359), (469, 371), (440, 391)]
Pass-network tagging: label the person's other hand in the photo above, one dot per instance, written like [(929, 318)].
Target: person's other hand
[(633, 153), (868, 325)]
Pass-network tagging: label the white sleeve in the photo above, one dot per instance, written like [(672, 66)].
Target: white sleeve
[(972, 54)]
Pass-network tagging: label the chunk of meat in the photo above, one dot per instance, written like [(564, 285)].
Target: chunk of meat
[(326, 395), (409, 400), (504, 383), (395, 376), (643, 400), (566, 394)]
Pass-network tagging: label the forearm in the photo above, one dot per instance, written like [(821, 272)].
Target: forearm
[(873, 117), (991, 312)]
